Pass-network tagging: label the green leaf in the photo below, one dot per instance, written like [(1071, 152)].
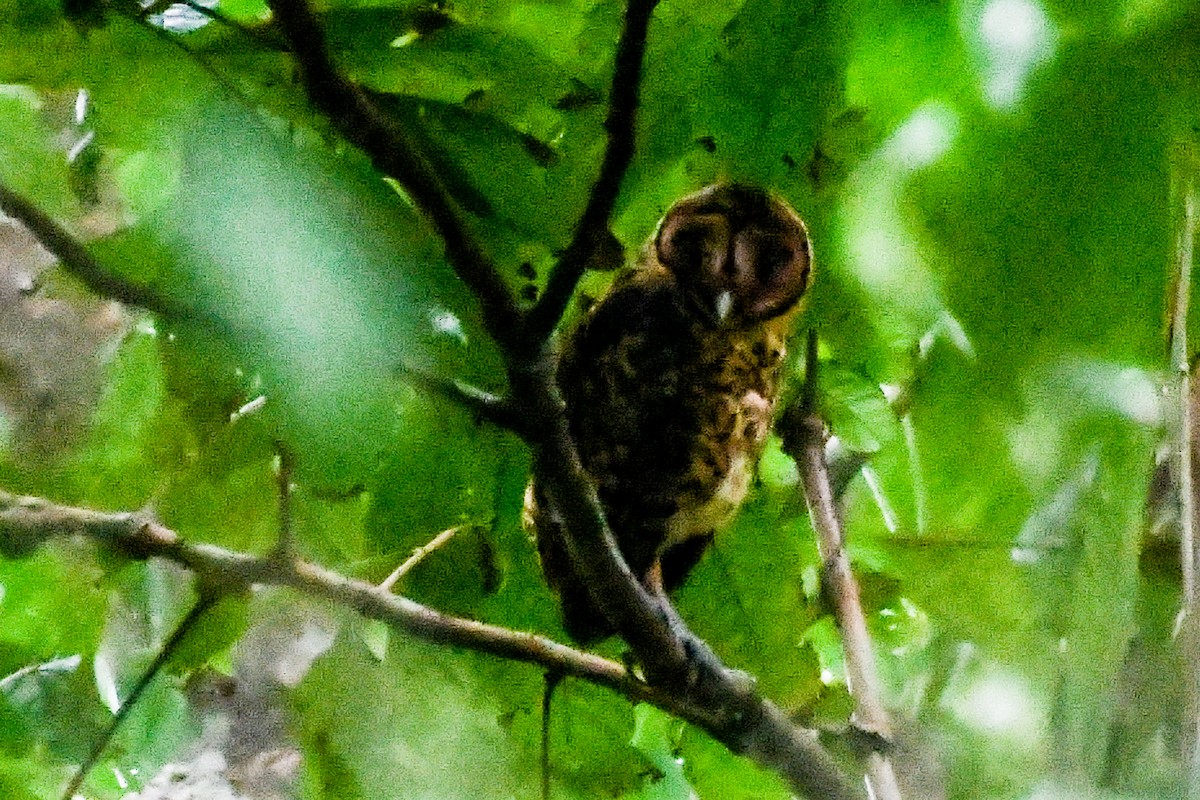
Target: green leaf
[(218, 628), (655, 736), (50, 606), (426, 712)]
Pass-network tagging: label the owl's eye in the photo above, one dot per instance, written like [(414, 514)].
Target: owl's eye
[(772, 259), (690, 242)]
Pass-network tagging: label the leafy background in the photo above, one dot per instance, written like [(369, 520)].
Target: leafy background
[(989, 190)]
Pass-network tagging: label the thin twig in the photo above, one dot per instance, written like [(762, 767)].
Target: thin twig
[(265, 39), (763, 732), (203, 604), (180, 43), (391, 151), (285, 547), (552, 680), (1184, 168), (484, 405), (592, 228), (75, 259), (804, 436), (418, 555)]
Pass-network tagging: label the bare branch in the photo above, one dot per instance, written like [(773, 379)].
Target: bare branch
[(675, 660), (1184, 167), (203, 604), (760, 731), (591, 233), (393, 153), (76, 259), (804, 436), (26, 523), (418, 555)]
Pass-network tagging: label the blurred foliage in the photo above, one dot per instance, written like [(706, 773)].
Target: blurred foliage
[(988, 187)]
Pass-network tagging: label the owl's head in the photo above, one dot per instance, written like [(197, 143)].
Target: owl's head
[(740, 253)]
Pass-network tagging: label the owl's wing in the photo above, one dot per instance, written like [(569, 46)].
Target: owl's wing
[(631, 399), (622, 376), (584, 622)]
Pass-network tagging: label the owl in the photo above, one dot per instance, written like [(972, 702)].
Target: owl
[(670, 383)]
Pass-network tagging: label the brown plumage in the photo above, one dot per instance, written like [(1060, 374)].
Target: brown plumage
[(671, 381)]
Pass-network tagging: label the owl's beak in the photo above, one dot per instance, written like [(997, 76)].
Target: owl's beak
[(723, 305)]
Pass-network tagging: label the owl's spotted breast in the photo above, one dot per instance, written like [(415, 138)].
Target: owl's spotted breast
[(671, 382)]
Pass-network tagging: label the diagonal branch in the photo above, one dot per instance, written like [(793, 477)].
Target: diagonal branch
[(762, 731), (392, 152), (76, 259), (804, 435), (27, 523), (1184, 168), (675, 660), (591, 233), (182, 630)]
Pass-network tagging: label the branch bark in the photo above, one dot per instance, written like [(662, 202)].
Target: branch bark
[(75, 259), (27, 523), (591, 232), (675, 660), (391, 151), (764, 733), (804, 435)]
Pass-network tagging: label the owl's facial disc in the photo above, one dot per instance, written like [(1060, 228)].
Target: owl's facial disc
[(741, 255)]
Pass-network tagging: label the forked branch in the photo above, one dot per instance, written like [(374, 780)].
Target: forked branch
[(392, 152), (681, 666), (804, 436), (591, 232)]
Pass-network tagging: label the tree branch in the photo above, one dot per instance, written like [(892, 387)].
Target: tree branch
[(804, 434), (391, 151), (1184, 167), (686, 679), (675, 660), (764, 733), (27, 523), (168, 650), (591, 232), (75, 259)]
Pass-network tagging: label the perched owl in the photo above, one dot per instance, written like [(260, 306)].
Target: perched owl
[(670, 383)]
